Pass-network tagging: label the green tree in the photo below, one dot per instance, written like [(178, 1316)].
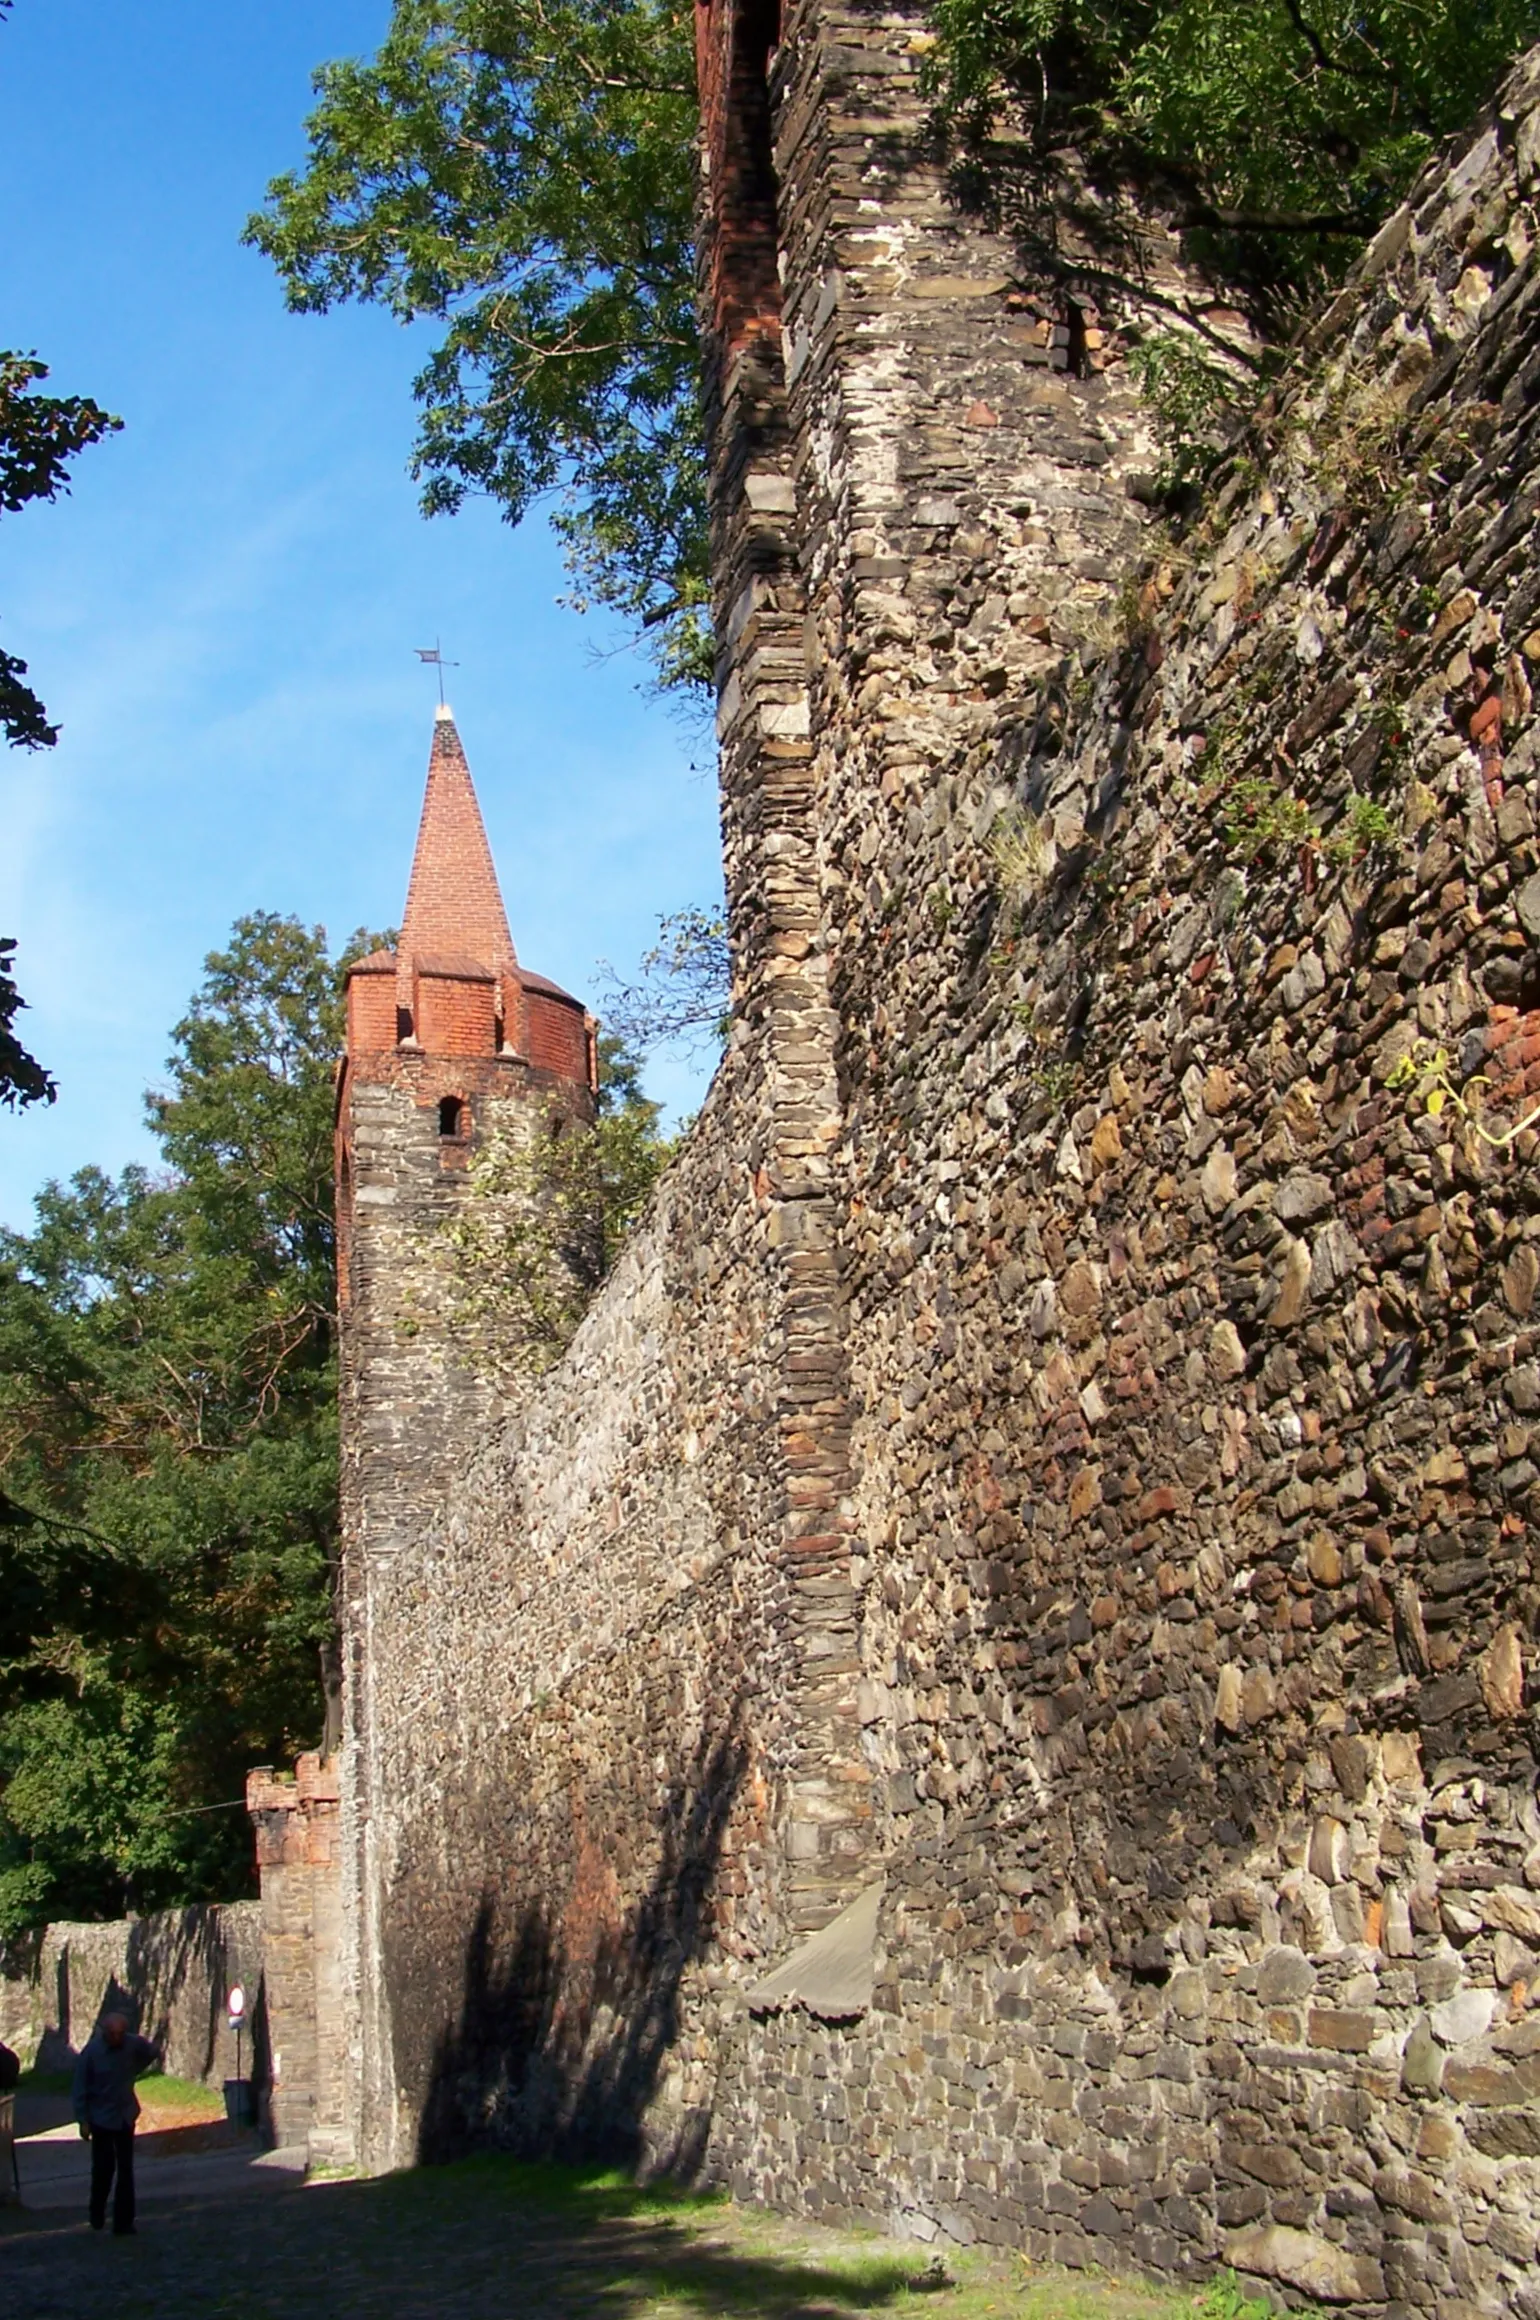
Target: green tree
[(519, 173), (168, 1435), (629, 1152), (682, 994), (548, 1213), (39, 436), (1279, 132), (22, 1078), (168, 1459)]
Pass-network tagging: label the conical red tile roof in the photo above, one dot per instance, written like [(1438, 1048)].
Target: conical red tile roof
[(454, 909)]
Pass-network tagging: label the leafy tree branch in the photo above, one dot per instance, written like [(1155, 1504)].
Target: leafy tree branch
[(39, 436), (1279, 133), (520, 173), (682, 994), (23, 1080)]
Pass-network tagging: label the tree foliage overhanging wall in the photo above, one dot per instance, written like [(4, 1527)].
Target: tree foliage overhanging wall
[(1278, 133), (520, 173)]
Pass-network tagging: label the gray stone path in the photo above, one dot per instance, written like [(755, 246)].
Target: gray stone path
[(56, 2172)]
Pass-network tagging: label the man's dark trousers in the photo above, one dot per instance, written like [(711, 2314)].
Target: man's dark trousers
[(112, 2152)]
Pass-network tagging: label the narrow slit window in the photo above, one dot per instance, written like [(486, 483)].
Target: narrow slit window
[(403, 1024), (451, 1116)]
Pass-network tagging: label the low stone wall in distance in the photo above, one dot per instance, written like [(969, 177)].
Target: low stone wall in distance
[(170, 1972)]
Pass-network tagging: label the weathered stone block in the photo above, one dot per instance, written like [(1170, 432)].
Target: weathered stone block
[(1307, 2262)]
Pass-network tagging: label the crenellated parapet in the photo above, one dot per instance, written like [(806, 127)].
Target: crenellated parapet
[(295, 1814)]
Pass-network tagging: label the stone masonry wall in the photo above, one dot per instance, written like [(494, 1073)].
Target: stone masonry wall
[(585, 1750), (1195, 1359), (420, 1386), (299, 1859), (170, 1971), (1061, 1440)]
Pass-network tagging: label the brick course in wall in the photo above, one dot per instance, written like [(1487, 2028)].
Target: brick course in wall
[(1060, 1442)]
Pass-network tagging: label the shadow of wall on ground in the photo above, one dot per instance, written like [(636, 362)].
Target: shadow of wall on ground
[(559, 2056), (442, 2240)]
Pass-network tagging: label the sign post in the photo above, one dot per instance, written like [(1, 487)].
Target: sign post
[(237, 2005), (238, 2107)]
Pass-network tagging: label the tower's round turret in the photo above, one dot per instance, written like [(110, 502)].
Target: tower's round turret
[(449, 1039), (453, 994)]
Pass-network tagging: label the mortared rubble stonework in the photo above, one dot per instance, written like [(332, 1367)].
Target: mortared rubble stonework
[(1060, 1453)]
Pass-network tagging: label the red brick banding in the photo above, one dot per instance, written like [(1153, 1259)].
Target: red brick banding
[(733, 47)]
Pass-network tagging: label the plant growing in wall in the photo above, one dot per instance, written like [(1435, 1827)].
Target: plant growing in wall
[(1257, 818), (1194, 398), (1367, 828), (1022, 854), (546, 1210), (1425, 1077)]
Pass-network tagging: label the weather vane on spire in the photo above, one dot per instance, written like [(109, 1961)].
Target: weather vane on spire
[(434, 657)]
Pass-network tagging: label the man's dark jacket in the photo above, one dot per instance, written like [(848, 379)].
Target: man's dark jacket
[(104, 2080)]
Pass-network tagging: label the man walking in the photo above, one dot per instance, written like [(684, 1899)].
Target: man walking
[(106, 2107)]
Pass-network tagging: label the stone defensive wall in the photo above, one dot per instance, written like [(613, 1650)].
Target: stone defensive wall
[(991, 1690), (170, 1972), (617, 1693)]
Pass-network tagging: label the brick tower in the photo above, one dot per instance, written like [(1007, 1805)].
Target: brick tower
[(449, 1040)]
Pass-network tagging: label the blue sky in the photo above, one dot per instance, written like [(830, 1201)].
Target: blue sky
[(223, 613)]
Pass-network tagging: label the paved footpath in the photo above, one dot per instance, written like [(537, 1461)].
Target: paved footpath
[(227, 2233)]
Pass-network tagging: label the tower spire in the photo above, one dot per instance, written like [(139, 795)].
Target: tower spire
[(454, 907)]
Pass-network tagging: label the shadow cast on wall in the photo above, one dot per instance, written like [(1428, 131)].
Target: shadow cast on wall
[(565, 2020), (169, 1974), (181, 1965)]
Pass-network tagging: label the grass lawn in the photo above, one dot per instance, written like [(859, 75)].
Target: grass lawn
[(162, 2092), (679, 2255), (158, 2091)]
